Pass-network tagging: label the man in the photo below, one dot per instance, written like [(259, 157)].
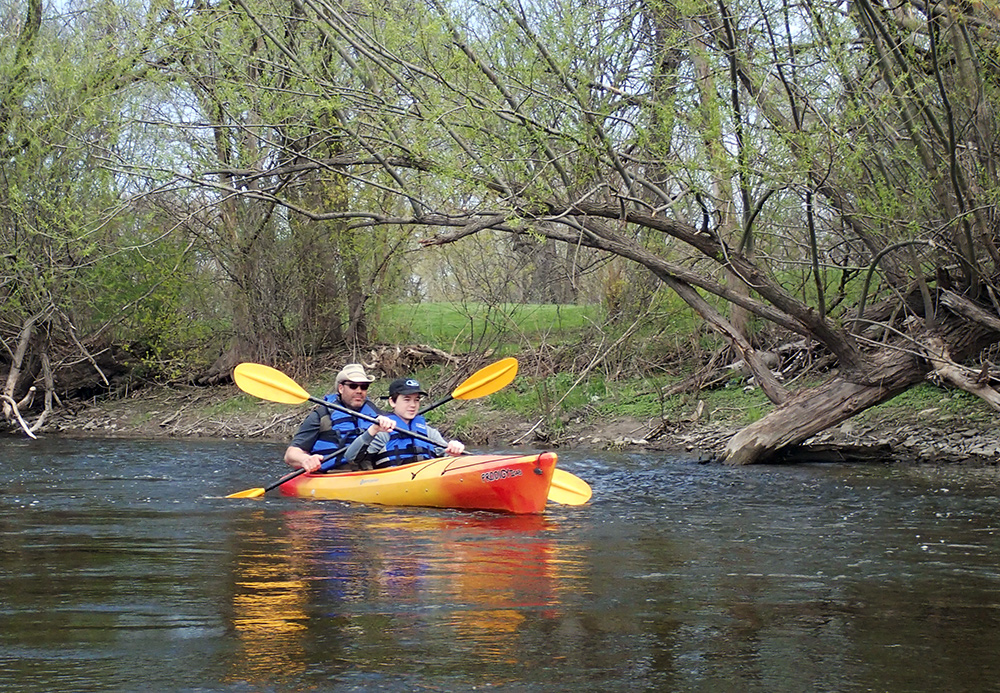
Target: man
[(326, 430)]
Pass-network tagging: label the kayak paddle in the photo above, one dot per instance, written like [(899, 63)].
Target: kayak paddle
[(568, 489), (258, 492), (271, 384), (483, 382)]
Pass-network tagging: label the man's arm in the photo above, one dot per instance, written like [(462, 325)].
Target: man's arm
[(298, 455), (297, 458)]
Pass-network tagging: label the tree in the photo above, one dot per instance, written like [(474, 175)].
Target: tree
[(258, 122), (64, 82), (725, 147)]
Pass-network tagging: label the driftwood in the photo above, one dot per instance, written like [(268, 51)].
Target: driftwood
[(713, 376), (819, 408), (397, 361), (16, 413), (888, 370), (14, 375), (41, 363), (967, 379)]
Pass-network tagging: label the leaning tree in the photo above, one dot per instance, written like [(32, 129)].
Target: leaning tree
[(729, 148)]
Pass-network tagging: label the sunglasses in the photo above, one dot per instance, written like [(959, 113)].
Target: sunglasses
[(357, 386)]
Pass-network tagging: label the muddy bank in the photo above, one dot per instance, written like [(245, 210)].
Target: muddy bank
[(220, 412), (904, 438)]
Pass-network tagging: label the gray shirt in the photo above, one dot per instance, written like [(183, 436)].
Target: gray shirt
[(376, 443)]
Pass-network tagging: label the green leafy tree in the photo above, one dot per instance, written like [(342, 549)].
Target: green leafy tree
[(260, 121), (725, 147), (65, 81)]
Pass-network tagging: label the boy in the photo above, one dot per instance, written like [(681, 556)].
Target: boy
[(389, 446)]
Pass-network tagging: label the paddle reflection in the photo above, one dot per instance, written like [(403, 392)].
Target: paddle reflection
[(269, 606), (365, 578)]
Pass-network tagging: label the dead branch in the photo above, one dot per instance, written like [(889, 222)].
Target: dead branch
[(12, 405), (17, 360), (965, 379), (969, 310), (394, 361)]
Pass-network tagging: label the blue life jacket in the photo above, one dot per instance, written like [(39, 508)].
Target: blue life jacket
[(403, 449), (338, 430)]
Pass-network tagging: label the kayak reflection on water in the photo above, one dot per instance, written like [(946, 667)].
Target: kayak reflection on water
[(373, 574)]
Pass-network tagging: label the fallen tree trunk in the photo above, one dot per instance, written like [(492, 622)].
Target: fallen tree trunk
[(815, 409), (890, 370)]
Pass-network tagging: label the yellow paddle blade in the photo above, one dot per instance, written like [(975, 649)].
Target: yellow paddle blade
[(249, 493), (268, 383), (568, 489), (487, 380)]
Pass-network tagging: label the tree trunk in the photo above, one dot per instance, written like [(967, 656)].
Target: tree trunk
[(891, 370), (816, 409)]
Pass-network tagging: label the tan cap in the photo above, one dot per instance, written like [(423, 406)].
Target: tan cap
[(355, 373)]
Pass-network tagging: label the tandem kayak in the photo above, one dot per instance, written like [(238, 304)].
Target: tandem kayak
[(516, 484)]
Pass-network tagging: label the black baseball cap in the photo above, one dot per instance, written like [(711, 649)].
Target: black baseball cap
[(404, 386)]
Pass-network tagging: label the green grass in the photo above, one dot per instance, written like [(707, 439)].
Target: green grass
[(640, 398), (464, 426), (670, 337), (645, 400), (444, 324), (926, 396), (671, 330), (240, 404)]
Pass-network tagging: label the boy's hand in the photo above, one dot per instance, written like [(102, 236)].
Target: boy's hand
[(383, 424)]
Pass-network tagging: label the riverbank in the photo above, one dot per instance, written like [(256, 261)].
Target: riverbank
[(935, 435)]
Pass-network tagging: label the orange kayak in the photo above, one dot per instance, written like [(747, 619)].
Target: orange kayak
[(516, 484)]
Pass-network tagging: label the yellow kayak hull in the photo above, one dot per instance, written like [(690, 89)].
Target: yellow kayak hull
[(516, 484)]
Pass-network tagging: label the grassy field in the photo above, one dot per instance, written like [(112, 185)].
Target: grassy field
[(606, 370), (443, 324), (613, 370)]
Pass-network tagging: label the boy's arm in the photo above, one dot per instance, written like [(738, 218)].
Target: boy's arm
[(451, 447), (435, 435), (378, 431), (374, 444)]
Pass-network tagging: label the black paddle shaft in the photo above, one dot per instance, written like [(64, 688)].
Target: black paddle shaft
[(372, 419)]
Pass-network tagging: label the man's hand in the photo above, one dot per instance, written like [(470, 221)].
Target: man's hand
[(297, 458), (312, 462)]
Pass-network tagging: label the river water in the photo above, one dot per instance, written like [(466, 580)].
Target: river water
[(124, 568)]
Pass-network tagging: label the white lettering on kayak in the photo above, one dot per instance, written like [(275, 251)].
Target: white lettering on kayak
[(498, 474)]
